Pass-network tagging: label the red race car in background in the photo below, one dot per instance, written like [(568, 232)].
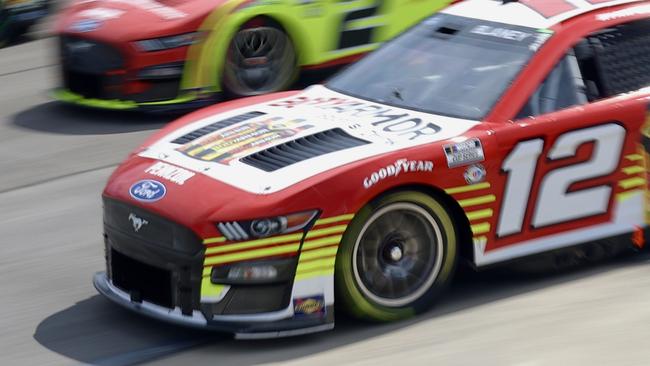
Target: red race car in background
[(170, 54), (490, 132), (16, 16)]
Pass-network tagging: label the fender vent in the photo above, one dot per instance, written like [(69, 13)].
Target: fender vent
[(215, 127), (283, 155)]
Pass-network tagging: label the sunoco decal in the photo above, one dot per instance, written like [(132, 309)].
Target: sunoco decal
[(464, 153), (238, 141), (398, 167), (309, 306), (148, 190), (169, 172)]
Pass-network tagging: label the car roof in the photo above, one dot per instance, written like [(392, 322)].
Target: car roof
[(524, 12)]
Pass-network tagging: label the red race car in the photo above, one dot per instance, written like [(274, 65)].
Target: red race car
[(490, 132), (172, 54)]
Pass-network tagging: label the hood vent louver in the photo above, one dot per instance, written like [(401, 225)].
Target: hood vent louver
[(206, 130), (288, 153)]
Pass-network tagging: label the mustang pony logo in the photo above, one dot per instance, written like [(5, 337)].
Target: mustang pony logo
[(138, 222)]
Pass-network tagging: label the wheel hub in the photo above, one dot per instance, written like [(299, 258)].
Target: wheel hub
[(398, 254)]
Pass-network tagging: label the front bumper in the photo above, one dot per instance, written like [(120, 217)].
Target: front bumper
[(106, 75), (158, 269), (242, 326), (186, 102)]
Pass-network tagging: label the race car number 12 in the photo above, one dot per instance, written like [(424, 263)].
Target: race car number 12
[(554, 203)]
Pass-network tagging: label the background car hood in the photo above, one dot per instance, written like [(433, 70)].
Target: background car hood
[(128, 20), (264, 148)]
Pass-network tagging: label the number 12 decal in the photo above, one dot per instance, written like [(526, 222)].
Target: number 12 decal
[(554, 203)]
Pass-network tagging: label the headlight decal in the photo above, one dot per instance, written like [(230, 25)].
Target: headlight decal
[(170, 42), (320, 243)]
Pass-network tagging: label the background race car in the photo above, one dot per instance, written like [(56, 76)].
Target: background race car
[(16, 16), (508, 130), (157, 54)]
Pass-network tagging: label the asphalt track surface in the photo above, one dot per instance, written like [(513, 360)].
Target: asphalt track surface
[(54, 161)]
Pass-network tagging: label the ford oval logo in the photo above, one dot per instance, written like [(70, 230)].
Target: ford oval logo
[(148, 190), (86, 25)]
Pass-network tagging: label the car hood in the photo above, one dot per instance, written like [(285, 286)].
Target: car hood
[(126, 20), (264, 148)]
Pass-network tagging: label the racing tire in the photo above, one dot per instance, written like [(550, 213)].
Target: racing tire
[(396, 257), (260, 59)]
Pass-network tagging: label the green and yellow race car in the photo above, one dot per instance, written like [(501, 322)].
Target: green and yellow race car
[(171, 54)]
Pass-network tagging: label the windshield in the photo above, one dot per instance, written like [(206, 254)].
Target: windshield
[(446, 65)]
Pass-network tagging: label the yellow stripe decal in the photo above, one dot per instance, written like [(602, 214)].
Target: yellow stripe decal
[(255, 243), (477, 201), (252, 254), (481, 228), (479, 239), (634, 169), (273, 240), (308, 275), (313, 254), (471, 188), (330, 220), (220, 239), (310, 266), (317, 243), (626, 195), (634, 157), (481, 214), (327, 231), (632, 182)]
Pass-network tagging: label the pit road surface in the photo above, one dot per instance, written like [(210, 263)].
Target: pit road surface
[(54, 162)]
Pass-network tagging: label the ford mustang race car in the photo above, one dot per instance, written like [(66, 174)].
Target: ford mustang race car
[(490, 132), (168, 54), (16, 16)]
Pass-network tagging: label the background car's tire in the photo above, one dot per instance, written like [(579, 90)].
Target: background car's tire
[(260, 59), (396, 256)]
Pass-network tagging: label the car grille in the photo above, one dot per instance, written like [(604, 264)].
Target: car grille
[(304, 148), (157, 231), (142, 281), (88, 56), (158, 261), (85, 64)]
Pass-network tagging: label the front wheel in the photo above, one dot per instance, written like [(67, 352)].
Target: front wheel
[(397, 255), (260, 59)]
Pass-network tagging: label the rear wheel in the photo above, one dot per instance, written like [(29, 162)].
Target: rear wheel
[(260, 59), (397, 255)]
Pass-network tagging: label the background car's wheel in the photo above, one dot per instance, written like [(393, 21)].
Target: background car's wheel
[(397, 255), (260, 59)]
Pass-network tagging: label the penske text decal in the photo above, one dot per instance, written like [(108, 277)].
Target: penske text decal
[(218, 152)]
